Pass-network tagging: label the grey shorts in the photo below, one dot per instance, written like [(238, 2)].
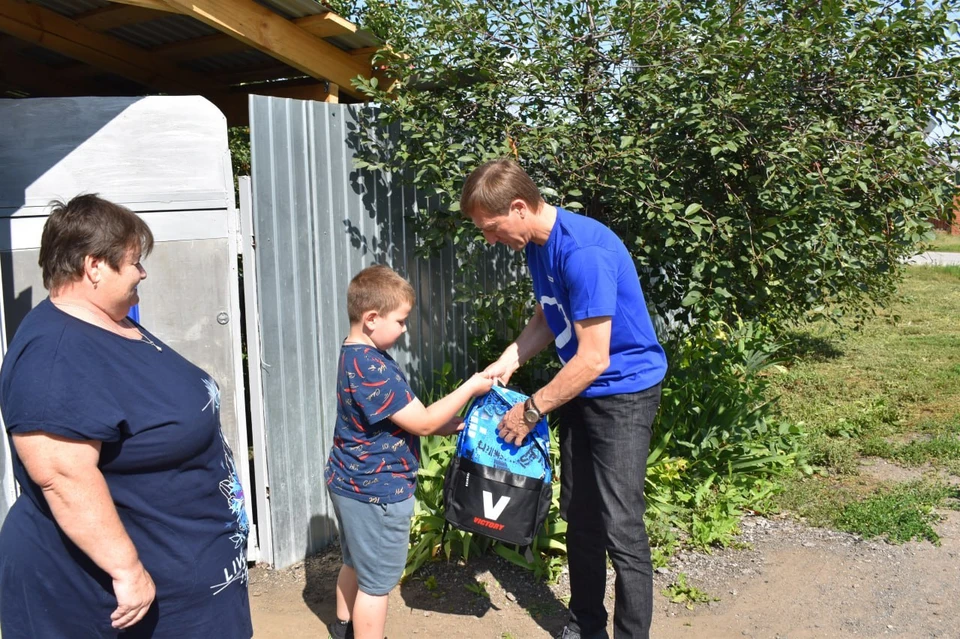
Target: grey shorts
[(374, 540)]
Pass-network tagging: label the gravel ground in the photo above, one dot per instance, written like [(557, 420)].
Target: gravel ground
[(785, 579)]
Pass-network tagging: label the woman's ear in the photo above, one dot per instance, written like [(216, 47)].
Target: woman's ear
[(91, 269)]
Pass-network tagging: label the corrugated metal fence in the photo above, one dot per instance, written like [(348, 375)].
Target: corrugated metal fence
[(318, 221)]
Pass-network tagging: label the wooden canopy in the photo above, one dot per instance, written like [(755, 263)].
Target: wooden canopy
[(221, 49)]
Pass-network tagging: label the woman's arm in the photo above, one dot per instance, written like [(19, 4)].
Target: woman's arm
[(78, 496)]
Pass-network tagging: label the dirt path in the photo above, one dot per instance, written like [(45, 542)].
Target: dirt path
[(792, 581)]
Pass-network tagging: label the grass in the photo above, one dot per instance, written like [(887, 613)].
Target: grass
[(891, 390), (898, 513), (946, 243)]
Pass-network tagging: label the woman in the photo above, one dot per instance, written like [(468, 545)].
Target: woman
[(131, 518)]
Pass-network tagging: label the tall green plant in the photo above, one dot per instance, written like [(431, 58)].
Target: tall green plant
[(717, 448)]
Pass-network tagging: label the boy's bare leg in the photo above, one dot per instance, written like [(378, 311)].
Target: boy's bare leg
[(369, 616), (346, 592)]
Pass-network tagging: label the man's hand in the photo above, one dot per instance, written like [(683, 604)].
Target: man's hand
[(135, 592), (513, 428)]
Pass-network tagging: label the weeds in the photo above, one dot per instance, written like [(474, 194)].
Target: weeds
[(683, 593), (899, 514), (478, 588), (936, 449)]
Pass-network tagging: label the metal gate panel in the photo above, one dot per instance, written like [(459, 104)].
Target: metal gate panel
[(318, 221)]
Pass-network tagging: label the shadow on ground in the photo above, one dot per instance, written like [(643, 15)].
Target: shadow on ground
[(811, 348), (482, 585)]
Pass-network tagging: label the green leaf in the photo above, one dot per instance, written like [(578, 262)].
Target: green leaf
[(691, 298)]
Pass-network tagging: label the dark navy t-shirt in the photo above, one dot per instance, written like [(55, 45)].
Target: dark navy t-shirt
[(170, 473), (582, 272), (372, 459)]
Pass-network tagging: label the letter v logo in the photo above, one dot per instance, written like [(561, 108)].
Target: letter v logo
[(489, 510)]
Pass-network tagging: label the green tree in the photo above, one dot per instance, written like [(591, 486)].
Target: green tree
[(762, 160)]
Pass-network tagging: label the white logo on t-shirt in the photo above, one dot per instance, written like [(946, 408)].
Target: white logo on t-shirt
[(567, 332)]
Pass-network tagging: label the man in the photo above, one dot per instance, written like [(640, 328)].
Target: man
[(590, 304)]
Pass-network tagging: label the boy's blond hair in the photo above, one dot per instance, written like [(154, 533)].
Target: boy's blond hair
[(491, 188), (377, 288)]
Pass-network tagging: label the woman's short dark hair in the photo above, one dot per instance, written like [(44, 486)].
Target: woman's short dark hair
[(88, 225)]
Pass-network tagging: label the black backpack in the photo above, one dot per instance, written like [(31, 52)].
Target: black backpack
[(494, 488)]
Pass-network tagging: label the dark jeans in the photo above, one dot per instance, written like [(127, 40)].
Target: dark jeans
[(604, 444)]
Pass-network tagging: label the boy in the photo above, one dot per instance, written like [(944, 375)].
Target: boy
[(372, 468)]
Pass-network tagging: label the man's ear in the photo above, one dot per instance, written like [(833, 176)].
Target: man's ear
[(520, 206)]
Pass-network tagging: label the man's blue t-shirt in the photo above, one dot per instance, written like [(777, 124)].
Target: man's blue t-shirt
[(372, 459), (170, 474), (584, 271)]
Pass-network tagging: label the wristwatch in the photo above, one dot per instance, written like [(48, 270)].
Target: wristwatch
[(531, 414)]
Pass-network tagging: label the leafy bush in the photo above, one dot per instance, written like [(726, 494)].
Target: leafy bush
[(716, 448), (766, 161)]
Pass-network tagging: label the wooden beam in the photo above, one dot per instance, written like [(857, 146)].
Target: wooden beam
[(235, 105), (156, 5), (333, 96), (214, 44), (275, 71), (326, 25), (41, 80), (261, 28), (53, 31), (116, 15), (322, 26)]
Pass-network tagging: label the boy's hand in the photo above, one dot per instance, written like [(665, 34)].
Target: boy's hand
[(452, 427), (480, 383), (500, 370)]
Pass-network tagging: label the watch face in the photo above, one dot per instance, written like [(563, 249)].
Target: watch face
[(531, 416)]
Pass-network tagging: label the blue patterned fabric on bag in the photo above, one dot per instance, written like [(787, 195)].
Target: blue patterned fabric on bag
[(479, 442)]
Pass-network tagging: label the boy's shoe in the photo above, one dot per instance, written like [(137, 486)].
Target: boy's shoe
[(340, 629)]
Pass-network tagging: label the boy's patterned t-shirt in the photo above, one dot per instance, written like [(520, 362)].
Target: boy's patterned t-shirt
[(372, 459)]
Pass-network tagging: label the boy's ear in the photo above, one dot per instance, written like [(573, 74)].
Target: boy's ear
[(369, 319)]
